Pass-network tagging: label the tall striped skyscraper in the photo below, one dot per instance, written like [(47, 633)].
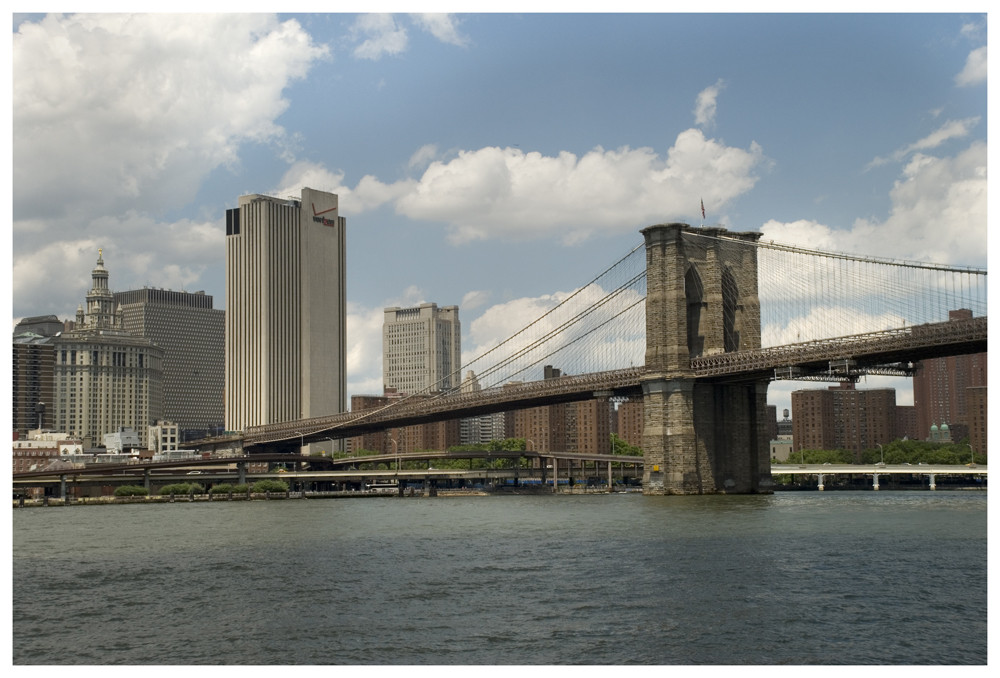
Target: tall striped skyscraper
[(285, 309)]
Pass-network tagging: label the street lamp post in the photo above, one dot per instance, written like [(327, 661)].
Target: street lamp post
[(881, 455), (972, 453), (302, 443)]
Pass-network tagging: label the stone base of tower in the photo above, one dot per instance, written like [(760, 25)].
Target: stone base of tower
[(704, 438)]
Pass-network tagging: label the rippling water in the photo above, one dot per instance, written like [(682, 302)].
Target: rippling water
[(792, 578)]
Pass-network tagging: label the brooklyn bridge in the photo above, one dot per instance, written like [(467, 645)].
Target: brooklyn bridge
[(697, 322)]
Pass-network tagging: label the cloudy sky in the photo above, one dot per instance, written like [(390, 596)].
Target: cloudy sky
[(486, 160)]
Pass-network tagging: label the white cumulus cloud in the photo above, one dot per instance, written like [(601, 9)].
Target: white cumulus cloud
[(506, 193), (364, 350), (938, 214), (368, 194), (974, 72), (379, 34), (118, 111), (444, 27), (118, 118), (951, 129), (705, 104)]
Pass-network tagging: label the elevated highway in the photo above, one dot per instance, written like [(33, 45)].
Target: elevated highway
[(543, 466)]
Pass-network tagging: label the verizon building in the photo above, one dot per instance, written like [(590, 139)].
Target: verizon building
[(285, 309)]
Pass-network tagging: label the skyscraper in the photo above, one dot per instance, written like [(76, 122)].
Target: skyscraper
[(421, 349), (106, 379), (285, 309), (192, 336), (422, 354), (33, 373)]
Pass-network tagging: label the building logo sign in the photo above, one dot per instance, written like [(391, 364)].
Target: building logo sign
[(321, 219)]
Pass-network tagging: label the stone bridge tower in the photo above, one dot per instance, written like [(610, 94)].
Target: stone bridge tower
[(700, 436)]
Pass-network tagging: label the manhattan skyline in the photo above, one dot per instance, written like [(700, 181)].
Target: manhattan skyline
[(490, 161)]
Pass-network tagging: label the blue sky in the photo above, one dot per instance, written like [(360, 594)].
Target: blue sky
[(483, 159)]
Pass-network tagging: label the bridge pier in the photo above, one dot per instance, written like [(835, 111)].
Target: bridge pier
[(705, 438), (819, 478), (701, 437), (933, 481)]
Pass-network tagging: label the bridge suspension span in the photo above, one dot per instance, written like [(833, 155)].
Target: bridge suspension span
[(804, 295), (753, 305)]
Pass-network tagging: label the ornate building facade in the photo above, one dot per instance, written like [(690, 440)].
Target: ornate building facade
[(105, 378)]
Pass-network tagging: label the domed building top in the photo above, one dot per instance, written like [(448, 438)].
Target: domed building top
[(100, 260), (100, 300)]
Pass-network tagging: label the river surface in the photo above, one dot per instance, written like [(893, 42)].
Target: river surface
[(790, 578)]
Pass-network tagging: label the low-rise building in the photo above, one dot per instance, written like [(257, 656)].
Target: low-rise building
[(781, 448), (163, 436), (125, 439)]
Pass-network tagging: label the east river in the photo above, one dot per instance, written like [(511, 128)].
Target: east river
[(790, 578)]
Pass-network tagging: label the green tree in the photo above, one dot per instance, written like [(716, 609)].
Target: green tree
[(183, 488), (508, 445), (269, 485), (619, 446), (131, 491)]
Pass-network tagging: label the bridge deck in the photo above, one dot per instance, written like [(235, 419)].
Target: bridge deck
[(866, 351)]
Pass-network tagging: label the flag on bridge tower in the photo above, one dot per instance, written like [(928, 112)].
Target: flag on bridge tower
[(703, 211)]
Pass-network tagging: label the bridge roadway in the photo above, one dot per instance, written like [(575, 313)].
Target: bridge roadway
[(842, 357)]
